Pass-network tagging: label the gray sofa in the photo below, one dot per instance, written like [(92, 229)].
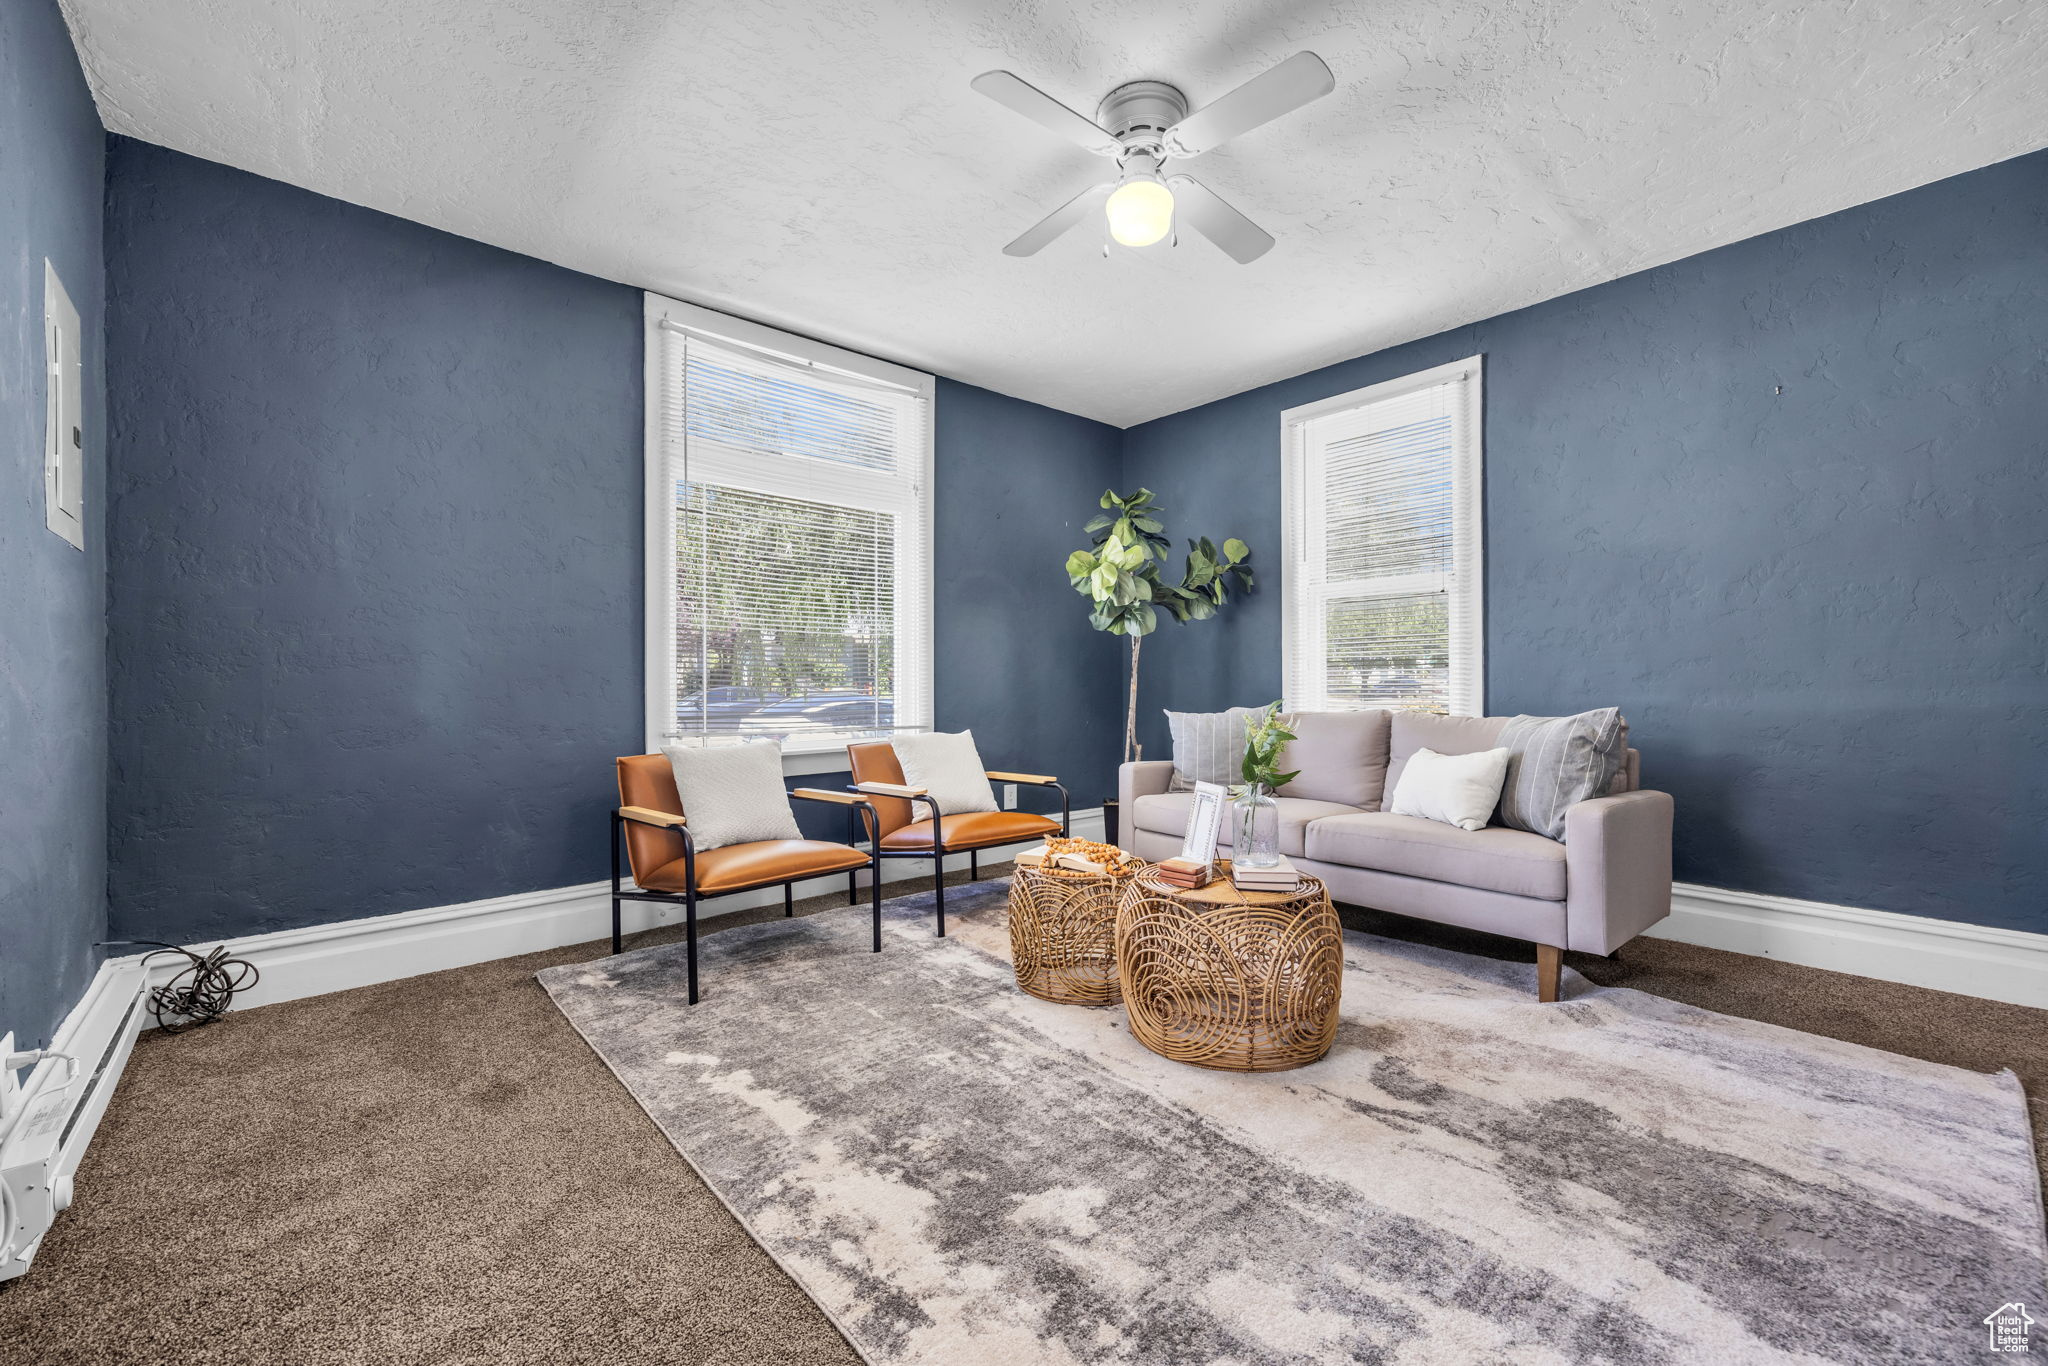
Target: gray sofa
[(1608, 881)]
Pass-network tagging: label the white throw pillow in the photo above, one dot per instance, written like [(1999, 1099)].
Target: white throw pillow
[(949, 768), (1457, 789), (732, 794)]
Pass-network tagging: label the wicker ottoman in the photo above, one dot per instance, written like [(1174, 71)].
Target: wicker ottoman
[(1063, 934), (1241, 981)]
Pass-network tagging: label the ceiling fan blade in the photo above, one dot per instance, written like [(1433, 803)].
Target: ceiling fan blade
[(1263, 98), (1045, 111), (1242, 240), (1041, 233)]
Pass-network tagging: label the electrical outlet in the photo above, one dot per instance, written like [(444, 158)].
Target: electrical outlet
[(1009, 796)]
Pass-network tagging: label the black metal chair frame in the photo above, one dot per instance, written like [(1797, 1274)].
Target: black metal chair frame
[(937, 853), (688, 899)]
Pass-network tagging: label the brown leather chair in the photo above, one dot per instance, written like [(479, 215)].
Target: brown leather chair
[(667, 866), (907, 832)]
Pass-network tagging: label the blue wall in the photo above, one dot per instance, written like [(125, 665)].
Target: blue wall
[(1823, 610), (374, 616), (53, 707), (1017, 660), (375, 610)]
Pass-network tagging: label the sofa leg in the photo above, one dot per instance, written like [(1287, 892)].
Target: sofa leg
[(1549, 968)]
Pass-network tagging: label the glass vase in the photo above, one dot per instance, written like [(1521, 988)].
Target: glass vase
[(1258, 829)]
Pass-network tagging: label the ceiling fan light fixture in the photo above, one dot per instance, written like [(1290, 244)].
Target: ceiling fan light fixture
[(1140, 211), (1144, 124)]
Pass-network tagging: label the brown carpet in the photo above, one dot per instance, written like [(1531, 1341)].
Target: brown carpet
[(438, 1170)]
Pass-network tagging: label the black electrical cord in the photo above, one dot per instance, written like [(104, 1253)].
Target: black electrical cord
[(198, 993)]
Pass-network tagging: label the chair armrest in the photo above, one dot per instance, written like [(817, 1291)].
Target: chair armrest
[(648, 816), (1036, 779), (1147, 778), (1617, 854), (889, 789), (819, 794)]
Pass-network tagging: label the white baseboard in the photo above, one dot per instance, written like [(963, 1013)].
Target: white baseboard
[(356, 953), (1947, 955)]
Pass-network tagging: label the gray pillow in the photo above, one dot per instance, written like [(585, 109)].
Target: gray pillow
[(1208, 746), (732, 794), (1558, 762)]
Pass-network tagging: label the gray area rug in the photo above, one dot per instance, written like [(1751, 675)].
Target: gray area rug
[(960, 1173)]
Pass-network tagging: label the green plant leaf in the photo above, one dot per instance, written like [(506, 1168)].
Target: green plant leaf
[(1235, 550)]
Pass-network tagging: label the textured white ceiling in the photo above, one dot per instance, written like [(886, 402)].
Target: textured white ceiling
[(825, 167)]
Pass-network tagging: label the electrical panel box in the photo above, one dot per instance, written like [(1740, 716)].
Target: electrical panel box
[(63, 429)]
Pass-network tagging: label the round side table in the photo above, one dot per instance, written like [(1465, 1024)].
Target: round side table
[(1063, 935), (1240, 981)]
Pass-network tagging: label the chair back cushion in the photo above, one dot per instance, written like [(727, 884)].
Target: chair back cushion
[(949, 769), (647, 780), (733, 794), (875, 762), (1338, 756)]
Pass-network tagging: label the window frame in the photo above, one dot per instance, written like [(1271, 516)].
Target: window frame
[(658, 575), (1466, 630)]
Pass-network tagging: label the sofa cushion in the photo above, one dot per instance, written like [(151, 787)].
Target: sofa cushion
[(1495, 859), (1457, 789), (1166, 813), (1558, 762), (1413, 730), (1340, 756), (1208, 746)]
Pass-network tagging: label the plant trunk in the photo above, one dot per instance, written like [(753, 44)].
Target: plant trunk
[(1132, 751)]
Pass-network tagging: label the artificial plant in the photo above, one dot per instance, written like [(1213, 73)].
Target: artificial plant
[(1123, 578), (1265, 735)]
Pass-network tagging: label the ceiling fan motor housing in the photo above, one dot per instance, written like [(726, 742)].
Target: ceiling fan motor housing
[(1140, 113)]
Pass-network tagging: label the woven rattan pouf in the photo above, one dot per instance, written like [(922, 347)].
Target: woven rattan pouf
[(1063, 934), (1241, 981)]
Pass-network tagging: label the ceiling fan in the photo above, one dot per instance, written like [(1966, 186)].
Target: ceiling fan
[(1145, 124)]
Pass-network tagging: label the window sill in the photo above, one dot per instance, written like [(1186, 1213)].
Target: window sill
[(800, 763)]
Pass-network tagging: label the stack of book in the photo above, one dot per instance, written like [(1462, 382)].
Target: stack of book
[(1185, 873), (1281, 877)]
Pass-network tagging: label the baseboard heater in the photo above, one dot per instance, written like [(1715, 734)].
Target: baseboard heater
[(48, 1122)]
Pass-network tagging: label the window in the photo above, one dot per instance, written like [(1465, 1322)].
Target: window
[(1383, 602), (788, 535)]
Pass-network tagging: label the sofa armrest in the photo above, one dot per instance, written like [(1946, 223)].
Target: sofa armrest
[(1617, 855), (1146, 778)]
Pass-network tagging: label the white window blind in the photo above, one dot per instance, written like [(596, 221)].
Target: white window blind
[(790, 533), (1384, 581)]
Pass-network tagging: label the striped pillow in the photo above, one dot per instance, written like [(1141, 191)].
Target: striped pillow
[(1558, 762), (1208, 746)]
